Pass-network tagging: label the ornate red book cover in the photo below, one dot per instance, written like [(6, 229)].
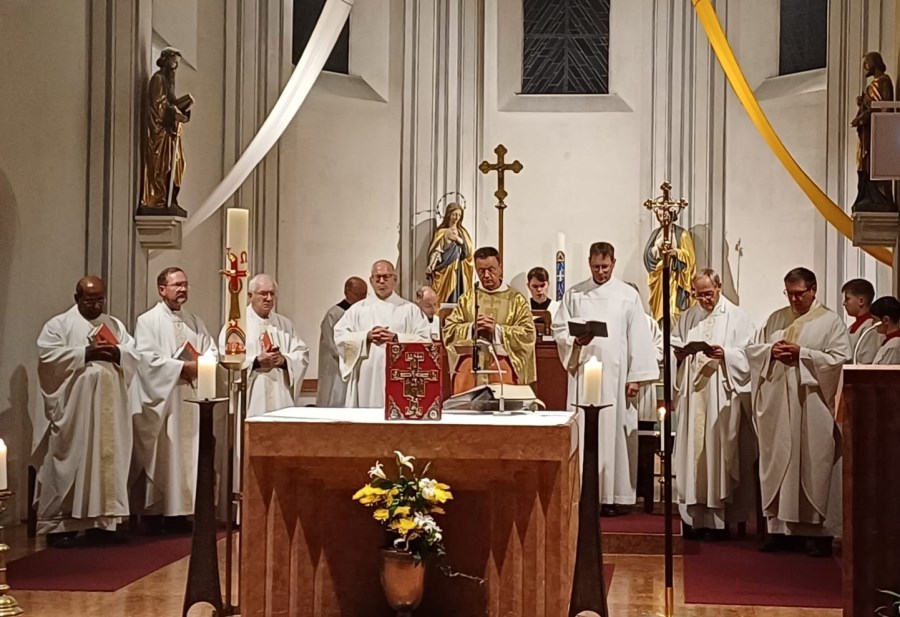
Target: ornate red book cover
[(413, 381)]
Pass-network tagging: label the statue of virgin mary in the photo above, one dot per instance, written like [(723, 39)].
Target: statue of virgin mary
[(451, 266)]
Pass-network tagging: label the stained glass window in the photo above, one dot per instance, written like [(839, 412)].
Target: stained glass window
[(306, 15), (566, 47), (803, 37)]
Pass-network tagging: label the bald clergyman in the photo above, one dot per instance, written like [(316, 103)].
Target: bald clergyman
[(84, 434), (367, 327), (332, 389)]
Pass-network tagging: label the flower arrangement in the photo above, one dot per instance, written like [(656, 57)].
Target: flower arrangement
[(406, 507)]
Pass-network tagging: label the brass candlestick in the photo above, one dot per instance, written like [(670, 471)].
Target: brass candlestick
[(8, 604)]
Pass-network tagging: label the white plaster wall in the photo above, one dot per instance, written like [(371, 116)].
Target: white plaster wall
[(765, 209), (340, 191), (582, 171), (43, 158), (201, 253)]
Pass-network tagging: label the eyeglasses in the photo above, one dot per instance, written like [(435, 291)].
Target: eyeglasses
[(704, 295), (177, 285), (796, 295), (383, 277)]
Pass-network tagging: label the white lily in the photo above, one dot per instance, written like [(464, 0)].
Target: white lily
[(377, 471), (405, 461)]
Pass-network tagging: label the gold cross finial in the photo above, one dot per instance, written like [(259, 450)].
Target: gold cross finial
[(500, 167)]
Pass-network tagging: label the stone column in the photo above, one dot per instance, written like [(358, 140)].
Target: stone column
[(119, 62), (257, 66), (687, 132), (442, 122)]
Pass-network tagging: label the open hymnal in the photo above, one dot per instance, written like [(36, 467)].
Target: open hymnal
[(187, 353), (102, 334), (579, 327), (693, 347), (487, 398)]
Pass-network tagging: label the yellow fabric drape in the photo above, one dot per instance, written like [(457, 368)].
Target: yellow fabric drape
[(827, 208)]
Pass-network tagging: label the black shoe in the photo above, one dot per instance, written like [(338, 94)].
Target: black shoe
[(104, 537), (688, 532), (65, 539), (177, 525), (774, 543), (152, 524), (609, 510), (819, 547)]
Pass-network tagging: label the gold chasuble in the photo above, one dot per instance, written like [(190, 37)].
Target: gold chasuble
[(515, 334)]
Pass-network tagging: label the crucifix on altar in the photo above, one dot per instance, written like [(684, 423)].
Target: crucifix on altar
[(501, 166)]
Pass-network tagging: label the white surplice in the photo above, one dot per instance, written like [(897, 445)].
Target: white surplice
[(363, 364), (277, 388), (793, 406), (332, 389), (865, 340), (714, 439), (167, 429), (628, 355), (82, 428), (889, 352), (646, 401)]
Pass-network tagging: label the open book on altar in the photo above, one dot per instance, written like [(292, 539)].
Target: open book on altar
[(579, 327), (693, 347), (102, 334), (487, 398)]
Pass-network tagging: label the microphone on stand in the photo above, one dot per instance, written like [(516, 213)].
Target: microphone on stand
[(475, 354)]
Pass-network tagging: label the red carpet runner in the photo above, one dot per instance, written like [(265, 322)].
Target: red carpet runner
[(736, 573), (107, 568)]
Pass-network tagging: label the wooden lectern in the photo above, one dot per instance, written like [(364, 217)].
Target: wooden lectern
[(870, 406)]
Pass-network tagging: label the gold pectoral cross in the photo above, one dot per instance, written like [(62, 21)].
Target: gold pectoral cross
[(500, 167)]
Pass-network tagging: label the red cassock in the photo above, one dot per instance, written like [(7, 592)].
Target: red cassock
[(413, 381)]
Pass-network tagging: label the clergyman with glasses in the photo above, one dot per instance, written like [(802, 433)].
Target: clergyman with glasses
[(167, 428), (795, 366), (365, 329), (715, 445)]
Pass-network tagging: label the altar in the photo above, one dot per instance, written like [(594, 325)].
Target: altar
[(308, 549)]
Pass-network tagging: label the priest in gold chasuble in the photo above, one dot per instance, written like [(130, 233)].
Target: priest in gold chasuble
[(495, 313)]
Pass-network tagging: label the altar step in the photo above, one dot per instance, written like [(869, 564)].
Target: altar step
[(639, 533)]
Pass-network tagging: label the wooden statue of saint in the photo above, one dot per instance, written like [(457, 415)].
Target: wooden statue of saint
[(451, 267), (161, 139), (872, 195)]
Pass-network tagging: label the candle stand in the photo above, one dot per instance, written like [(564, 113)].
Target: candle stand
[(8, 604), (588, 584)]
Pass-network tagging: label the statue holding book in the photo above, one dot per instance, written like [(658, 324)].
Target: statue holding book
[(161, 139)]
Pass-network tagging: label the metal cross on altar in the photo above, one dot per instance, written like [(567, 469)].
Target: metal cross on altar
[(500, 167)]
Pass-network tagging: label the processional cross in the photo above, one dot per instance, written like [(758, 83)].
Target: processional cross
[(500, 167), (666, 211)]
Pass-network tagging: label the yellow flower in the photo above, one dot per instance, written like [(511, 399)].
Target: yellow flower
[(442, 493), (403, 525), (381, 514), (402, 511), (369, 494), (437, 510)]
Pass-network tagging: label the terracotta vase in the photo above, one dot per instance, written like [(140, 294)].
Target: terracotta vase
[(403, 581)]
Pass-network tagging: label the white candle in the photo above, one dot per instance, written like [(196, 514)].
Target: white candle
[(237, 243), (662, 430), (206, 376), (560, 242), (593, 382), (3, 483)]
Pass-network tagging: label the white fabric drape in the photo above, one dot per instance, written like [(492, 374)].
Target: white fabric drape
[(322, 41)]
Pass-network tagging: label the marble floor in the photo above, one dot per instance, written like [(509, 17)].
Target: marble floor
[(637, 590)]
